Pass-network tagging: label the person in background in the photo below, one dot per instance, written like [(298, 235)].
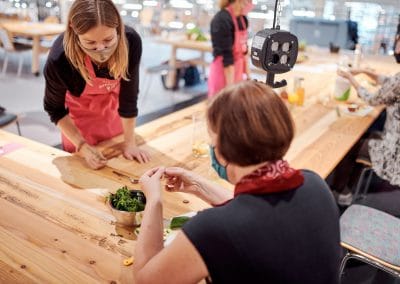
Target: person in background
[(352, 32), (384, 150), (279, 225), (229, 41), (92, 78)]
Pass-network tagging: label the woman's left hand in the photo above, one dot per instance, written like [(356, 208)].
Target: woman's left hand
[(131, 152), (150, 183)]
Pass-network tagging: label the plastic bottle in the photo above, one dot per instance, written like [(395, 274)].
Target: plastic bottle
[(342, 89), (299, 90)]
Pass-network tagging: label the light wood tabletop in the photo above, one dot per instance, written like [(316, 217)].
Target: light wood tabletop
[(55, 226), (36, 31)]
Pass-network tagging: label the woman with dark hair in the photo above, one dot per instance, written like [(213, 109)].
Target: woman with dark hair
[(279, 225), (92, 81), (229, 40)]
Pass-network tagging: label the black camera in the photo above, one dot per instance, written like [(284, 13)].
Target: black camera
[(274, 51)]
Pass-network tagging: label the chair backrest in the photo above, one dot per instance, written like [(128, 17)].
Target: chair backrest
[(6, 40)]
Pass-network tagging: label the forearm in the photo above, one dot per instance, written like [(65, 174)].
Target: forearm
[(374, 76), (68, 128), (229, 74), (150, 240), (354, 82), (128, 125)]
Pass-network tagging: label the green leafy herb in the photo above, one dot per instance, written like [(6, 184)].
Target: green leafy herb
[(178, 222), (128, 200)]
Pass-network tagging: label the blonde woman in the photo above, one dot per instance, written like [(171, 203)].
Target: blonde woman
[(92, 81)]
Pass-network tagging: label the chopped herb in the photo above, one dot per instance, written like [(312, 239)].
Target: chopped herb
[(178, 222), (128, 200)]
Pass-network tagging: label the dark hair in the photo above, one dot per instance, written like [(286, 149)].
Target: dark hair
[(252, 124)]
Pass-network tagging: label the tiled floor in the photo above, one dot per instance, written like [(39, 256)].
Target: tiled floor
[(24, 95)]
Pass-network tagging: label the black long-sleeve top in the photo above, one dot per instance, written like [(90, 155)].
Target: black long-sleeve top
[(61, 76), (223, 35)]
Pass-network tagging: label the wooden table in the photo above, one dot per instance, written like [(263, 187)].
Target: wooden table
[(55, 226), (181, 42), (35, 30)]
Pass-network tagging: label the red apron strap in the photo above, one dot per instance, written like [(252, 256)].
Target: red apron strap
[(235, 23), (89, 67)]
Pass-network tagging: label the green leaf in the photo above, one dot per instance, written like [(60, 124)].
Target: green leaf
[(178, 222)]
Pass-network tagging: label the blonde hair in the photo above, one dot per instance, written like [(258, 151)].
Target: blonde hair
[(224, 3), (85, 15)]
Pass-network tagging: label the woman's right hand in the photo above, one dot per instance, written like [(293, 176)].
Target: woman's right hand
[(356, 71), (93, 157), (179, 179)]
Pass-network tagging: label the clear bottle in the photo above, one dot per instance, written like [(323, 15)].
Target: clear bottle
[(299, 90)]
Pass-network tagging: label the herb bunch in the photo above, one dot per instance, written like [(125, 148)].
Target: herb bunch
[(127, 200)]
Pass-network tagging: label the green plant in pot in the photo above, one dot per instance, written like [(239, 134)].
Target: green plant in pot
[(127, 206)]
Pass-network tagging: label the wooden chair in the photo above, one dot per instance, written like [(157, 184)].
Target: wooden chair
[(15, 48), (371, 236), (7, 118)]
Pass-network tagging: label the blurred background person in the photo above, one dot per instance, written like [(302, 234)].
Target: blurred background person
[(229, 41), (383, 148)]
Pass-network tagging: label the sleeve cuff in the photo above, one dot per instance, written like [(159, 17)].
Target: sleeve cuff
[(128, 114), (382, 79)]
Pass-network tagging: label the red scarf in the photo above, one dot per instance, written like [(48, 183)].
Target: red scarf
[(271, 178)]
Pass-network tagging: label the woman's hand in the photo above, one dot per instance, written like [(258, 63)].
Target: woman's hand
[(356, 71), (93, 157), (344, 74), (349, 76), (182, 180), (151, 184), (131, 151)]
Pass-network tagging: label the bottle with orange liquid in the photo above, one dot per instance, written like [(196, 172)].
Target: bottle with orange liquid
[(299, 90)]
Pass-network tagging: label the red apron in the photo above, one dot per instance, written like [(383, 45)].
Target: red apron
[(95, 112), (216, 78)]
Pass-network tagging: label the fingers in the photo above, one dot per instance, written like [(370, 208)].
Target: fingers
[(145, 156), (139, 155), (155, 172), (173, 171), (96, 163), (142, 157), (173, 184)]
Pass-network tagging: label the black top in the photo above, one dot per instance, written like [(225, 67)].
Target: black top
[(61, 76), (287, 237), (222, 35)]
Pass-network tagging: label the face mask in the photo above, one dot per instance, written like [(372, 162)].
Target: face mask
[(100, 56), (397, 57), (220, 169), (246, 9)]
